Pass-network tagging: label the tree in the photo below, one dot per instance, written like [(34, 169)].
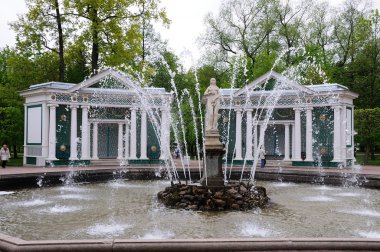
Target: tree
[(291, 19), (41, 28), (241, 26), (112, 28), (367, 124)]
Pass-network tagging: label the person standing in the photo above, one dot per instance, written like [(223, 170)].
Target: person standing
[(262, 157), (4, 155)]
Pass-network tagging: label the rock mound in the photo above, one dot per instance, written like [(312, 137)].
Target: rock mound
[(239, 197)]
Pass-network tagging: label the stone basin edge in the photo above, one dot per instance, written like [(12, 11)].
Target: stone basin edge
[(9, 243)]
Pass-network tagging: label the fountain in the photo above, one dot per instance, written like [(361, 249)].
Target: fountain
[(111, 210), (212, 193)]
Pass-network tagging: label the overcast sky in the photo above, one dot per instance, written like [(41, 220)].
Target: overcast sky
[(187, 23)]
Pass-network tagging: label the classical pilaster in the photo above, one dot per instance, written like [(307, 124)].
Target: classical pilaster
[(262, 134), (126, 139), (248, 152), (143, 144), (133, 134), (52, 131), (255, 140), (165, 131), (337, 135), (73, 133), (45, 130), (287, 143), (95, 141), (120, 142), (238, 142), (343, 132), (25, 135), (293, 141), (309, 134), (297, 135), (85, 136), (352, 134)]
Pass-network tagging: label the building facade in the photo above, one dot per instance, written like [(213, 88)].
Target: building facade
[(300, 125), (106, 117)]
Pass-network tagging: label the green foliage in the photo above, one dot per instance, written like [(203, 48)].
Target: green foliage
[(11, 126), (367, 124)]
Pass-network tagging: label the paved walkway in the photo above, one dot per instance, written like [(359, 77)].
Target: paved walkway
[(13, 170)]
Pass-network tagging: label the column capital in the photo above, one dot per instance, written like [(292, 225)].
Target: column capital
[(297, 109), (248, 110), (74, 106), (85, 106), (53, 105), (238, 109), (337, 107), (165, 109), (309, 108)]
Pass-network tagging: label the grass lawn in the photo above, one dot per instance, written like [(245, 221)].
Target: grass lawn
[(16, 161), (360, 157)]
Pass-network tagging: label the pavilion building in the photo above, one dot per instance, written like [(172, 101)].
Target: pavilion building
[(297, 124), (106, 117)]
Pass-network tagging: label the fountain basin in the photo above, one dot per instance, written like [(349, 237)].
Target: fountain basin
[(125, 209)]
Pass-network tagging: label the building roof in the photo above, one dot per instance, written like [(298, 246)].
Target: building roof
[(53, 84)]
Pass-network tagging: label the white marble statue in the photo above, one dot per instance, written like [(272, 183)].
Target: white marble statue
[(212, 97)]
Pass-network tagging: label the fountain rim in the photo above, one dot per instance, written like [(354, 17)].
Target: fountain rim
[(9, 243)]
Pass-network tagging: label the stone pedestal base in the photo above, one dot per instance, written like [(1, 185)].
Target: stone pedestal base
[(214, 154)]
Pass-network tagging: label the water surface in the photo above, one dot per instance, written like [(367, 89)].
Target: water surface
[(129, 209)]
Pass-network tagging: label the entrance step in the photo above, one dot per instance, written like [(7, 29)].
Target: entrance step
[(106, 162), (277, 163)]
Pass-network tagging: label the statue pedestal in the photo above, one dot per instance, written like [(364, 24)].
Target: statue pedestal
[(214, 154)]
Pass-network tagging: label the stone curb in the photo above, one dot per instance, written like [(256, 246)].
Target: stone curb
[(21, 180), (8, 243)]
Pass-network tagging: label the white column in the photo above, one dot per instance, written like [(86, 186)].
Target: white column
[(45, 130), (286, 157), (309, 135), (352, 132), (143, 138), (89, 138), (95, 141), (343, 132), (120, 142), (248, 149), (255, 140), (52, 131), (73, 133), (133, 134), (165, 130), (293, 141), (297, 135), (238, 149), (25, 134), (262, 133), (337, 135), (85, 136), (126, 140)]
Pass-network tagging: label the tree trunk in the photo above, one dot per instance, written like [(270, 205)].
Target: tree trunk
[(15, 151), (373, 153), (60, 43), (366, 154), (95, 40)]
